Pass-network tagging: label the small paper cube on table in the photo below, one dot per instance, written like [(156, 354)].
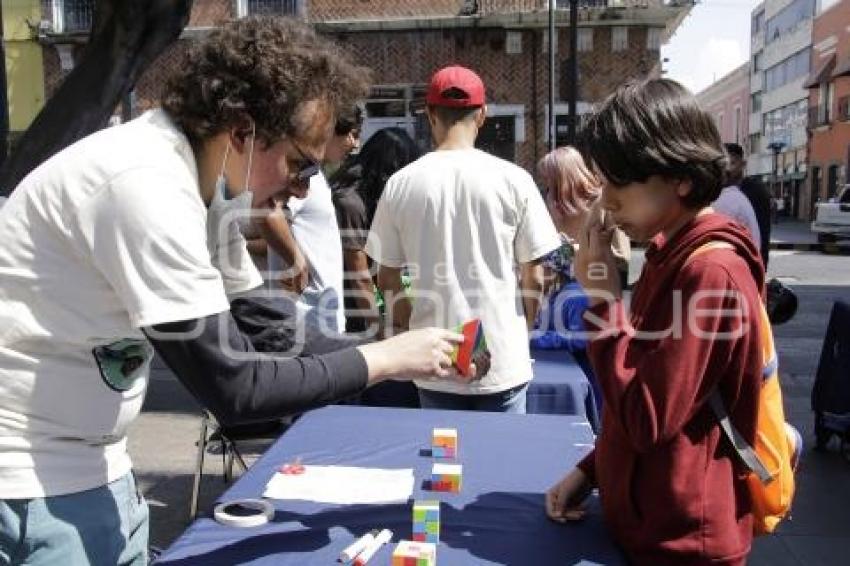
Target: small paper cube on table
[(412, 553), (446, 477), (473, 343), (444, 443), (426, 521)]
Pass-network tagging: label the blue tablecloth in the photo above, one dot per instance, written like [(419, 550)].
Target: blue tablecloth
[(509, 461), (560, 387)]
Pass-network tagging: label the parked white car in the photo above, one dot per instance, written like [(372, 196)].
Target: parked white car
[(832, 218)]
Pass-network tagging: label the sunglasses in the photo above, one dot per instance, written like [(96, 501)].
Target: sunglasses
[(307, 166)]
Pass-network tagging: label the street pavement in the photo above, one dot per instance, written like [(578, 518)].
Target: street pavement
[(162, 441)]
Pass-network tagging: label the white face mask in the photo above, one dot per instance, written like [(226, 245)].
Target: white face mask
[(226, 209)]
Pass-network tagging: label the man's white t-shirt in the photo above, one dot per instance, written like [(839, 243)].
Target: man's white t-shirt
[(314, 227), (105, 238), (735, 204), (462, 221)]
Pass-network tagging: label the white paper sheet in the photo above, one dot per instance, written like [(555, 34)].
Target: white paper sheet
[(343, 485)]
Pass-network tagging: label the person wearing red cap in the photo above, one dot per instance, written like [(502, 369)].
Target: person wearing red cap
[(460, 220)]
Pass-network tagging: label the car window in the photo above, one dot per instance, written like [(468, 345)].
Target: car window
[(844, 198)]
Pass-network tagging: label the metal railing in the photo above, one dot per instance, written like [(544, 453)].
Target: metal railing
[(76, 15), (486, 7), (271, 7)]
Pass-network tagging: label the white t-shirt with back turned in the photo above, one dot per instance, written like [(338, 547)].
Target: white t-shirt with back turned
[(105, 238), (735, 204), (462, 221)]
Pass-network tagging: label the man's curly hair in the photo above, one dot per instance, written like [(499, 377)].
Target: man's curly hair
[(261, 68)]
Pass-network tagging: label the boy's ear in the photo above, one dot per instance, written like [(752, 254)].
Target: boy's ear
[(683, 187), (481, 117)]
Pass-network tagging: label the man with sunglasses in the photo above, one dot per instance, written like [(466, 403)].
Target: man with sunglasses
[(128, 242), (305, 254)]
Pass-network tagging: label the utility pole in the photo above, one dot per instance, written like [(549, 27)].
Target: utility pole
[(4, 96), (573, 73), (551, 125)]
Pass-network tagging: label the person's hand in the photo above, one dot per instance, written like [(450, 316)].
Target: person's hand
[(418, 354), (565, 499), (595, 265), (480, 364), (294, 279)]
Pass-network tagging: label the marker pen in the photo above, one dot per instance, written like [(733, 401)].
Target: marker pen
[(383, 537), (357, 547)]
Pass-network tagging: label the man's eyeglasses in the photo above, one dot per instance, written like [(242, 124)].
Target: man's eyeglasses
[(307, 166)]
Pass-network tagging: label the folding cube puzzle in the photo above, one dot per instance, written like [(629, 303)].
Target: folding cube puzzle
[(426, 521), (444, 443), (473, 343), (411, 553), (446, 477)]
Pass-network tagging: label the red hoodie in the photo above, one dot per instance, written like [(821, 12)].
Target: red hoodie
[(672, 491)]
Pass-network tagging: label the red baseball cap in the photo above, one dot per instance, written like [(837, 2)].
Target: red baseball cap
[(457, 87)]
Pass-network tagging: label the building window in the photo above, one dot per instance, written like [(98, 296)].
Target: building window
[(758, 22), (653, 39), (585, 40), (267, 8), (719, 120), (71, 16), (782, 123), (619, 38), (788, 70), (513, 42), (757, 65), (755, 103), (826, 99), (844, 109), (787, 19)]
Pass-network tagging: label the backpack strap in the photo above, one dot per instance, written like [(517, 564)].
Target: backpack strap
[(742, 448), (745, 452)]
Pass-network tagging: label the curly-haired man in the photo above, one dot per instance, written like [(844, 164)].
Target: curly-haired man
[(124, 243)]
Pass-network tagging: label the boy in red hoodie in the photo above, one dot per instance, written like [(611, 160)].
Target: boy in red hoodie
[(671, 488)]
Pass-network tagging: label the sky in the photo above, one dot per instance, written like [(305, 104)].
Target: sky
[(712, 41)]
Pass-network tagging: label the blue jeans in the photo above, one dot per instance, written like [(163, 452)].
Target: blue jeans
[(107, 525), (509, 401)]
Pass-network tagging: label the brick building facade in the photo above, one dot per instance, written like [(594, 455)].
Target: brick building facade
[(829, 104), (404, 41)]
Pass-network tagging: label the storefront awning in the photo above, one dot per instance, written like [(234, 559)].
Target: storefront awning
[(821, 74)]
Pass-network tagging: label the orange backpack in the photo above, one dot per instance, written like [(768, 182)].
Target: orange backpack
[(772, 461)]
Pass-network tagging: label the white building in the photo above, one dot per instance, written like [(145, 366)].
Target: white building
[(780, 66)]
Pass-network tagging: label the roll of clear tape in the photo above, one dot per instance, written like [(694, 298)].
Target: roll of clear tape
[(244, 513)]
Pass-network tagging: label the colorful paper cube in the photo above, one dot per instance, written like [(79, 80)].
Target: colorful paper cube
[(473, 343), (412, 553), (426, 521), (444, 443), (446, 477)]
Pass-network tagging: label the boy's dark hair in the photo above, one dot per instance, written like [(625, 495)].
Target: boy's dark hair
[(734, 149), (349, 120), (656, 127), (449, 116), (262, 68)]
